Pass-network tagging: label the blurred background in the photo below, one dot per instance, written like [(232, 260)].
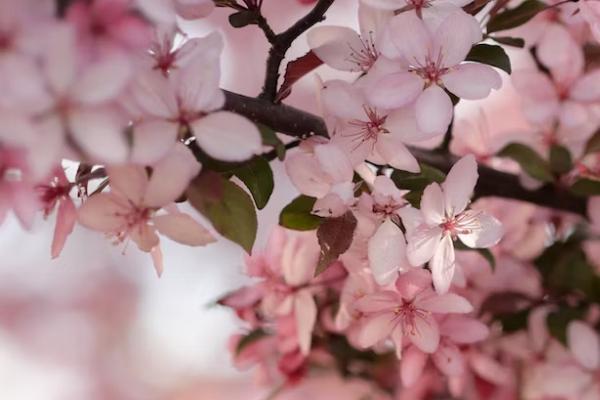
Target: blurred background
[(97, 323)]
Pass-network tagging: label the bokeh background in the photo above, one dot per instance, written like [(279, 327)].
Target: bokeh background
[(97, 323)]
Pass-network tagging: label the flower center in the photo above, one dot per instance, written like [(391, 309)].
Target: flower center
[(365, 56), (432, 71), (407, 314), (462, 224), (370, 129)]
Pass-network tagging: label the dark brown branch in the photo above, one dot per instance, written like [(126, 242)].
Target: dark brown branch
[(282, 43), (492, 183)]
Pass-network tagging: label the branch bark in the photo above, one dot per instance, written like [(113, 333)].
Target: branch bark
[(492, 183), (282, 43)]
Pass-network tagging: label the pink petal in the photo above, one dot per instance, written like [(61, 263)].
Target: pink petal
[(376, 328), (99, 132), (395, 153), (299, 259), (103, 212), (488, 233), (573, 114), (129, 181), (413, 282), (60, 57), (227, 136), (397, 337), (193, 9), (490, 369), (334, 162), (472, 81), (170, 177), (538, 328), (538, 94), (157, 260), (584, 343), (412, 366), (459, 184), (559, 52), (433, 204), (144, 236), (342, 100), (305, 311), (183, 229), (152, 140), (455, 36), (25, 204), (387, 253), (412, 38), (65, 222), (306, 174), (464, 330), (384, 4), (422, 244), (395, 90), (155, 96), (449, 360), (102, 81), (402, 124), (447, 303), (335, 46), (587, 88), (378, 302), (335, 203), (425, 333), (442, 265), (433, 110)]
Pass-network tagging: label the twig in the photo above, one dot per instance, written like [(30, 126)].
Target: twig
[(282, 43), (492, 183)]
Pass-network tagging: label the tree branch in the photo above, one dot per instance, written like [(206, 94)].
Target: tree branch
[(492, 183), (282, 43)]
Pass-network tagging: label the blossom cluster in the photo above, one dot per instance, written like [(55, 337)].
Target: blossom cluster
[(398, 263)]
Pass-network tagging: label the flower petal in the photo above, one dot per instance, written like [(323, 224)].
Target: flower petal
[(387, 253), (449, 360), (455, 36), (488, 233), (170, 177), (305, 311), (442, 265), (395, 90), (472, 81), (422, 244), (152, 140), (375, 328), (65, 222), (433, 110), (459, 184), (395, 153), (444, 304), (412, 366), (584, 343), (227, 136), (425, 333), (102, 81), (433, 204), (183, 229), (336, 46), (102, 212), (464, 330)]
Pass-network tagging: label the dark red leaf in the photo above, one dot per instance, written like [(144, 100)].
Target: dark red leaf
[(295, 70), (335, 236)]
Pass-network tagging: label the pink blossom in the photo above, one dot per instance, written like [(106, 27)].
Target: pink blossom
[(325, 172), (81, 97), (343, 48), (109, 25), (444, 218), (407, 315), (186, 100), (366, 132), (419, 6), (131, 209), (430, 59), (56, 195)]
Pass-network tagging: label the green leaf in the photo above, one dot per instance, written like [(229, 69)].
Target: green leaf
[(530, 161), (514, 17), (258, 178), (250, 338), (485, 253), (558, 321), (513, 322), (560, 159), (565, 270), (509, 41), (243, 18), (269, 138), (593, 143), (586, 187), (297, 215), (490, 54), (419, 181), (226, 205), (335, 237)]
